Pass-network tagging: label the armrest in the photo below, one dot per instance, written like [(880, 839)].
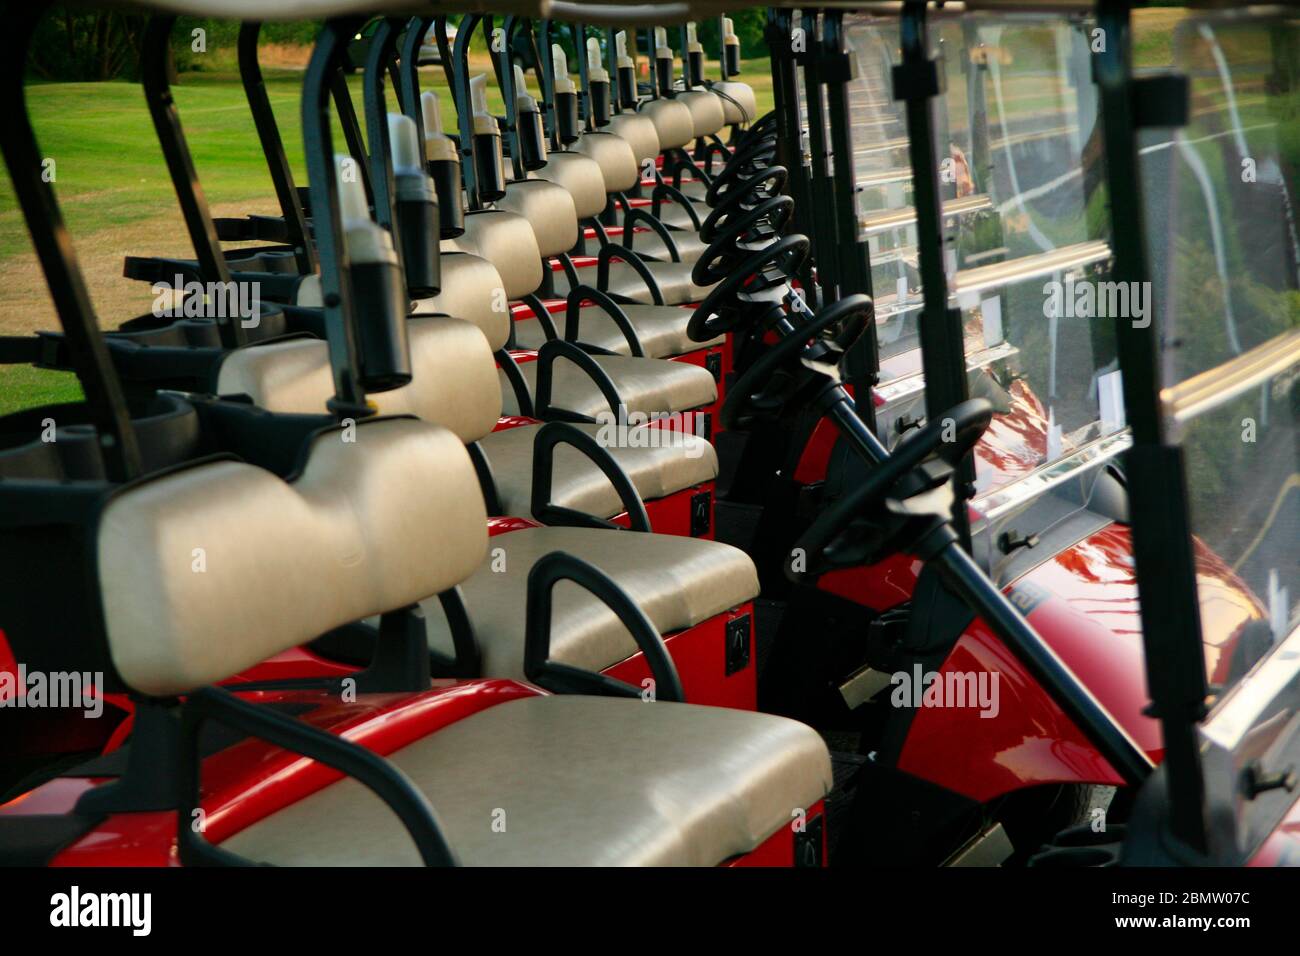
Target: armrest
[(543, 316), (506, 362), (550, 436), (468, 661), (611, 252), (366, 767), (567, 679), (710, 147), (640, 215), (573, 312), (546, 358), (663, 189)]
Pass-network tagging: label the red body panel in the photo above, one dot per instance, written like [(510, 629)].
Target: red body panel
[(1089, 614), (250, 780), (700, 654)]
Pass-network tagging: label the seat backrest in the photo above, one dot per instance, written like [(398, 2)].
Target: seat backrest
[(674, 124), (639, 132), (581, 176), (453, 377), (549, 209), (739, 104), (506, 240), (707, 114), (615, 157), (473, 290), (207, 571)]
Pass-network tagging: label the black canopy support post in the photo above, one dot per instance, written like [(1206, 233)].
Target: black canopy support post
[(409, 75), (511, 96), (686, 56), (789, 139), (943, 357), (974, 67), (489, 40), (35, 192), (862, 363), (445, 52), (379, 56), (464, 105), (155, 59), (611, 65), (546, 83), (823, 188), (323, 69), (1157, 486), (649, 34), (722, 47), (268, 132), (584, 77), (351, 127)]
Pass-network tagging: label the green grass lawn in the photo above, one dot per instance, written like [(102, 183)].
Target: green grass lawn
[(110, 179)]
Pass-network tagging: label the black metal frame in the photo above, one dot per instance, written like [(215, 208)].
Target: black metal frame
[(1157, 483), (155, 62), (87, 352), (943, 351), (549, 437), (366, 767), (567, 679), (862, 363), (268, 132), (324, 67)]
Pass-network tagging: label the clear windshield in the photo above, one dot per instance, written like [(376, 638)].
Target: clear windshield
[(1025, 239), (1221, 214)]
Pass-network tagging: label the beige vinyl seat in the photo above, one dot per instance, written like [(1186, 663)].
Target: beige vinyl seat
[(582, 780), (456, 385), (674, 125), (621, 168), (579, 781), (678, 582), (582, 177), (538, 219), (682, 581)]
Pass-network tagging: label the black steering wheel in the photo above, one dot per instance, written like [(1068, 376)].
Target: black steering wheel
[(713, 316), (743, 163), (768, 386), (724, 253), (773, 177), (904, 474)]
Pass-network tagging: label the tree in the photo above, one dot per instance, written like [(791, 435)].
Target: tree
[(101, 45)]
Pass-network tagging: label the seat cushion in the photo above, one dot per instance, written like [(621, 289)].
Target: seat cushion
[(506, 240), (617, 161), (639, 132), (679, 582), (661, 330), (696, 190), (673, 122), (576, 781), (738, 102), (645, 385), (671, 214), (688, 242), (473, 290), (673, 279), (676, 461), (581, 176), (707, 114), (549, 209)]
